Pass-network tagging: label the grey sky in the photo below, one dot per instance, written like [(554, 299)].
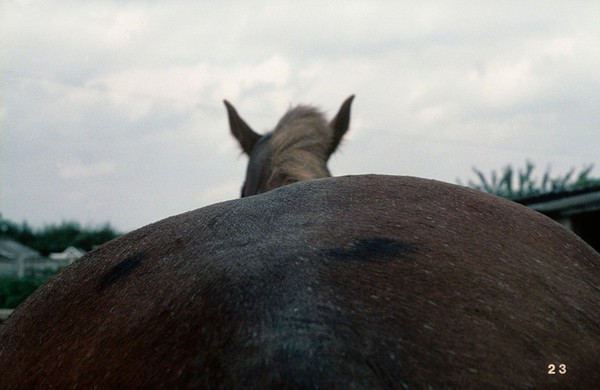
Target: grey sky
[(112, 111)]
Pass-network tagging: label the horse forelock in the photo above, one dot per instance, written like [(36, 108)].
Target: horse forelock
[(297, 149), (303, 128)]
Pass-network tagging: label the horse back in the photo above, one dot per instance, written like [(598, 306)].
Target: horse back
[(353, 282)]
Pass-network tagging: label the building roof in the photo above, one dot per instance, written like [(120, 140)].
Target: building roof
[(565, 203), (12, 250)]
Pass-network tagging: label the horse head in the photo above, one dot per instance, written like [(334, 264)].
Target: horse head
[(296, 150)]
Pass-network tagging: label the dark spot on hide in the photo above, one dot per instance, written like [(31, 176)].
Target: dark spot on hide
[(372, 249), (120, 271)]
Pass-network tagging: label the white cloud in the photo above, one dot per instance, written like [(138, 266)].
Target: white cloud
[(80, 170), (125, 25), (125, 98), (138, 91)]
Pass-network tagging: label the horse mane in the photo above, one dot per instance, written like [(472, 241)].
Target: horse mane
[(302, 131)]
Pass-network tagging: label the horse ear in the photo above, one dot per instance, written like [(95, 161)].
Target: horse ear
[(240, 130), (340, 124)]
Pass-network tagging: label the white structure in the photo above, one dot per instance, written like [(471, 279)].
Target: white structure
[(69, 255)]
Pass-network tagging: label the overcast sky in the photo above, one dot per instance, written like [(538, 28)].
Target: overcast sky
[(112, 110)]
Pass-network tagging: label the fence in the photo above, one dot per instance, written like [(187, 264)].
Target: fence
[(30, 266)]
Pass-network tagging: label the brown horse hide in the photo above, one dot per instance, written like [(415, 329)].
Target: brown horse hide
[(356, 282)]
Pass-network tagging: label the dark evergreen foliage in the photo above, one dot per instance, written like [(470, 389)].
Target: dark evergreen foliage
[(57, 237)]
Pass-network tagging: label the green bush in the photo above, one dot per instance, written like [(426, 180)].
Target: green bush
[(13, 291), (514, 184)]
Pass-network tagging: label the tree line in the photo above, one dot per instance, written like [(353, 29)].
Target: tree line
[(57, 237)]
